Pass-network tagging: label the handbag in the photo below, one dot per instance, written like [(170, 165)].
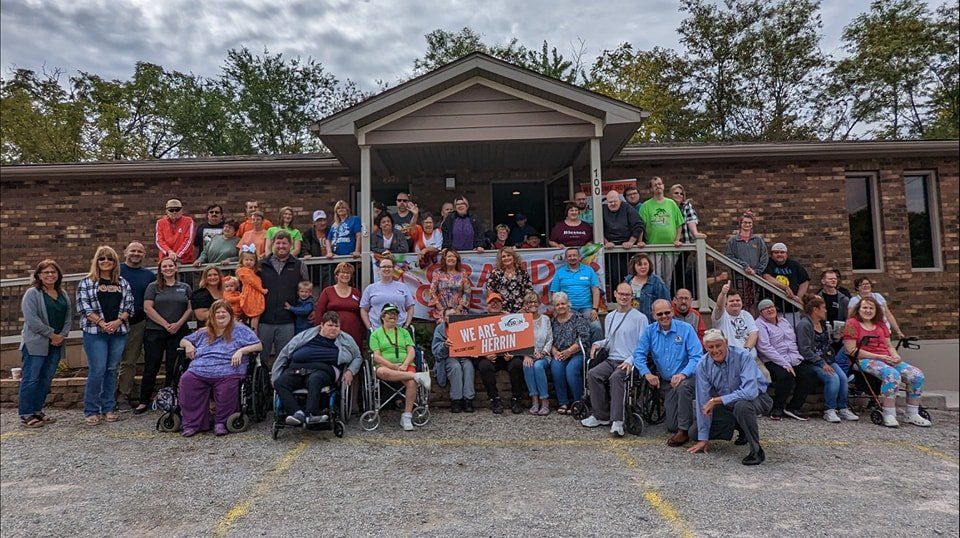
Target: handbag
[(603, 353)]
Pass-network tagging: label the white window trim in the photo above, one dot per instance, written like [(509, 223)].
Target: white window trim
[(873, 185), (933, 209)]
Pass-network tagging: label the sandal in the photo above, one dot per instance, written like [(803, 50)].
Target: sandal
[(92, 420), (46, 418), (112, 416), (31, 422), (563, 410)]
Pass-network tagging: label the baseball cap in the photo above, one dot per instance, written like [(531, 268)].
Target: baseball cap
[(494, 296), (173, 202), (390, 307), (778, 246), (520, 216), (319, 214)]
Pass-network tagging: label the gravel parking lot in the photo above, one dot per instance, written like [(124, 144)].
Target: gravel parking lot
[(475, 475)]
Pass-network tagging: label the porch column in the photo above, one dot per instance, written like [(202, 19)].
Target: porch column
[(596, 184), (365, 208), (571, 187)]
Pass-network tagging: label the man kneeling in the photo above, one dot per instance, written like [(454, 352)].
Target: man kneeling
[(731, 392)]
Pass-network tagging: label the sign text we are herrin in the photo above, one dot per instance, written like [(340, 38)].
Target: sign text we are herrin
[(482, 335)]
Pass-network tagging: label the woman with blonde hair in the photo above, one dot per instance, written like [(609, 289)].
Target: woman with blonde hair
[(344, 232), (509, 279), (104, 304)]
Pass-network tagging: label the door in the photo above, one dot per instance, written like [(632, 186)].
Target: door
[(520, 197)]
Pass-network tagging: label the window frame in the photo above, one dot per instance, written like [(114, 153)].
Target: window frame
[(876, 216), (933, 211)]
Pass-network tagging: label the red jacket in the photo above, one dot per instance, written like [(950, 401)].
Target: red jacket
[(700, 326), (176, 236)]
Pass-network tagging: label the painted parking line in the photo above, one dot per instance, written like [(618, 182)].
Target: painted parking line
[(242, 508), (663, 507), (10, 435)]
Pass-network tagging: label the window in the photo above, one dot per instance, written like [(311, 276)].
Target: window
[(923, 219), (863, 213)]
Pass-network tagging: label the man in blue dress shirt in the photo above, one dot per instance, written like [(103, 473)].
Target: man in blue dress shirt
[(582, 286), (731, 392)]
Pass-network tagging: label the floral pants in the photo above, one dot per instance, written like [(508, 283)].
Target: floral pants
[(890, 377)]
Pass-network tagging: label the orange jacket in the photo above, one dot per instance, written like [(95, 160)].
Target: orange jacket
[(176, 236)]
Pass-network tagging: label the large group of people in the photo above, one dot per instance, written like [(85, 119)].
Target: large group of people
[(713, 382)]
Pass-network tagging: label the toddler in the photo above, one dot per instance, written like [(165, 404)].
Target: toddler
[(303, 307), (252, 300), (231, 293)]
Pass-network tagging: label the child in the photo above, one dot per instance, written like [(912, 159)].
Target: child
[(251, 297), (231, 292), (303, 307)]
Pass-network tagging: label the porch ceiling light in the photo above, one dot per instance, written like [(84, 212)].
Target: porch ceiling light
[(451, 182)]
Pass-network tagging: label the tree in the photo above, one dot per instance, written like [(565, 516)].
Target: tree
[(553, 64), (40, 121), (945, 98), (444, 47)]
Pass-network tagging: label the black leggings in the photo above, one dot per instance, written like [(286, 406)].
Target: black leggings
[(314, 383), (488, 374), (158, 345), (784, 384)]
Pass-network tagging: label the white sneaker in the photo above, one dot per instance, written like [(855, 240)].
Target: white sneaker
[(890, 421), (592, 422), (406, 422), (617, 428), (847, 414), (830, 415), (794, 415), (917, 420), (423, 378)]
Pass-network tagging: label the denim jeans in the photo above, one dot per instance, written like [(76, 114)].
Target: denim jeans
[(835, 389), (536, 378), (104, 352), (568, 375), (596, 330), (460, 375), (38, 372)]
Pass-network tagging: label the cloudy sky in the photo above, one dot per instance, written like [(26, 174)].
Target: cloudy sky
[(363, 40)]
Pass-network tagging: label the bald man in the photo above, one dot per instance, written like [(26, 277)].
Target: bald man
[(622, 226), (139, 277)]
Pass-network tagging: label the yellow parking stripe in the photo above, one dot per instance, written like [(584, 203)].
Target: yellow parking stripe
[(663, 507)]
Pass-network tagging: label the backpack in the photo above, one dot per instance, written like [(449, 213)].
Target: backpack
[(166, 400)]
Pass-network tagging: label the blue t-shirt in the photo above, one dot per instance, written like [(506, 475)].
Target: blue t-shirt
[(343, 236), (578, 285), (138, 278)]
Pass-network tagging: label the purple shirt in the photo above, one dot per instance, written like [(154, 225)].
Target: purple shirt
[(213, 359), (462, 233), (777, 343), (376, 295)]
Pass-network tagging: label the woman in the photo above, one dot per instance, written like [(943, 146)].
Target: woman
[(502, 233), (864, 288), (343, 299), (386, 291), (385, 240), (509, 279), (218, 353), (166, 303), (257, 236), (459, 370), (46, 324), (777, 348), (286, 224), (222, 247), (344, 233), (393, 353), (450, 287), (879, 358), (426, 237), (646, 285), (749, 251), (316, 358), (690, 231), (210, 290), (105, 304), (570, 330), (571, 231), (535, 367), (815, 346)]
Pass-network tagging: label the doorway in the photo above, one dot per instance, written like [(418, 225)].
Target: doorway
[(520, 197)]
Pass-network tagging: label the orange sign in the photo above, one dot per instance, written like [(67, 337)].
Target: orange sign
[(478, 336), (618, 185)]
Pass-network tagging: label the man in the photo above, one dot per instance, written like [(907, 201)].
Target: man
[(406, 216), (621, 225), (631, 195), (786, 274), (734, 322), (521, 230), (139, 278), (622, 327), (684, 311), (582, 286), (246, 226), (663, 225), (461, 230), (445, 209), (281, 274), (838, 303), (207, 230), (174, 234), (489, 365), (675, 350), (731, 392), (586, 214)]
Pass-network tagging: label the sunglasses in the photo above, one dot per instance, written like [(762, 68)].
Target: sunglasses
[(105, 259), (662, 314), (174, 209)]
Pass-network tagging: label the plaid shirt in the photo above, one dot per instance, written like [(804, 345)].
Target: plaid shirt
[(689, 215), (87, 303)]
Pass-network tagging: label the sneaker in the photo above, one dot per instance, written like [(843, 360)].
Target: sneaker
[(496, 406), (296, 419), (754, 458), (917, 420), (616, 428), (515, 406), (456, 406), (406, 422), (544, 410), (468, 405), (830, 415), (220, 430), (593, 422), (847, 414), (423, 378), (776, 414), (317, 419), (890, 421), (794, 414)]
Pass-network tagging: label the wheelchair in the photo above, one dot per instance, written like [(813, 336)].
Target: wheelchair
[(379, 395), (254, 395), (871, 385), (338, 405)]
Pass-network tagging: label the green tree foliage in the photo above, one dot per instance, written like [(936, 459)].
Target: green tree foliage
[(40, 121)]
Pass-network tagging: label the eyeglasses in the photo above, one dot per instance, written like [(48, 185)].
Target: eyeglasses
[(174, 209), (662, 314), (403, 199), (105, 259)]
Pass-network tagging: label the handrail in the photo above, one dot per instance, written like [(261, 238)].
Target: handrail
[(736, 267)]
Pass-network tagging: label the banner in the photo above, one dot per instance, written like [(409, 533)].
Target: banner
[(541, 264), (618, 185), (478, 336)]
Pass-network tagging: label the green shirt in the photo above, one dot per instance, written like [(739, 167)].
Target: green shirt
[(392, 346), (294, 233), (661, 220), (56, 310), (220, 249)]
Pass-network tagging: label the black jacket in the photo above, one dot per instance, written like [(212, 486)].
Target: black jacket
[(446, 228)]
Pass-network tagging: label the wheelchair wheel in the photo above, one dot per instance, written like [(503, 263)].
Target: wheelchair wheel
[(421, 415), (370, 420), (169, 422), (237, 422), (260, 400), (924, 413), (653, 407), (634, 424), (276, 432), (579, 410), (345, 407), (338, 428), (876, 417)]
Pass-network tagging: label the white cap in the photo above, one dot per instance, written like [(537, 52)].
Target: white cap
[(319, 214), (778, 246)]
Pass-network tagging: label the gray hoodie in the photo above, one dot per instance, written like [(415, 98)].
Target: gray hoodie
[(349, 352)]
